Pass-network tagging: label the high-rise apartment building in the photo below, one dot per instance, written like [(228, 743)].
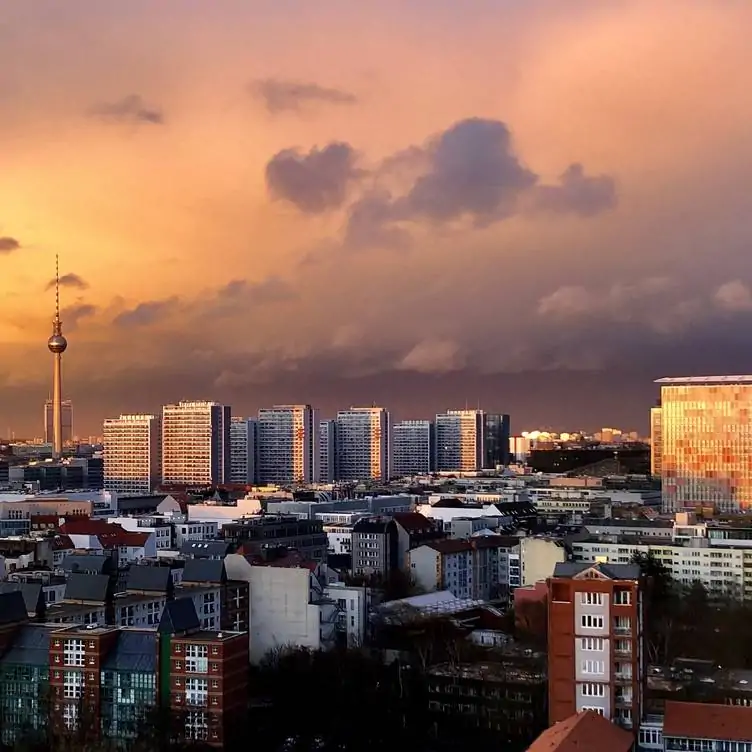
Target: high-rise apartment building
[(656, 440), (287, 440), (706, 430), (66, 413), (460, 441), (243, 450), (327, 471), (413, 448), (496, 433), (132, 454), (595, 653), (363, 444), (195, 443)]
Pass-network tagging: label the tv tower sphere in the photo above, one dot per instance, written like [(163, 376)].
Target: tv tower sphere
[(57, 343)]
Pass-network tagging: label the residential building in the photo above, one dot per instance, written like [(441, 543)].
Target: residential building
[(363, 444), (353, 610), (66, 414), (132, 454), (586, 731), (413, 448), (706, 442), (327, 471), (376, 546), (243, 450), (656, 440), (707, 727), (538, 556), (596, 661), (496, 435), (195, 444), (257, 534), (194, 531), (460, 441), (287, 438)]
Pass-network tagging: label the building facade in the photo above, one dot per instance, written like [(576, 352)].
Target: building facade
[(706, 442), (460, 441), (327, 470), (243, 450), (496, 436), (195, 443), (132, 454), (595, 653), (656, 440), (287, 444), (363, 444), (413, 448), (66, 412)]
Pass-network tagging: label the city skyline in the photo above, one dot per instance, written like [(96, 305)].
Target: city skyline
[(306, 200)]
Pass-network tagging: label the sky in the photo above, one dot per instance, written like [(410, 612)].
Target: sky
[(535, 207)]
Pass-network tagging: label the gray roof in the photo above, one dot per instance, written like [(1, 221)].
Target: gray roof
[(133, 651), (31, 646), (205, 549), (148, 578), (567, 569), (32, 595), (179, 616), (87, 587), (12, 608), (85, 563), (140, 502), (204, 570)]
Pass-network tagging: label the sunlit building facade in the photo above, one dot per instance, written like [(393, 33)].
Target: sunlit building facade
[(656, 441), (287, 444), (460, 441), (132, 454), (363, 444), (706, 427)]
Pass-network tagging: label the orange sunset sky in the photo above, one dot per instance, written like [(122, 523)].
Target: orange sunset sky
[(535, 206)]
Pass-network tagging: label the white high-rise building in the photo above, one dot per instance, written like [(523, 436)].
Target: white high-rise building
[(412, 448), (243, 450), (287, 444), (459, 441), (327, 451), (132, 454), (363, 444), (195, 443)]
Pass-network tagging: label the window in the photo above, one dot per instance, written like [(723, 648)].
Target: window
[(196, 725), (72, 684), (196, 659), (591, 599), (591, 622), (622, 598), (594, 709), (196, 691), (593, 667), (70, 716), (593, 690), (73, 653), (592, 643)]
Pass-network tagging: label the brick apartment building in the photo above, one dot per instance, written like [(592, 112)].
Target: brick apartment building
[(595, 658), (108, 678)]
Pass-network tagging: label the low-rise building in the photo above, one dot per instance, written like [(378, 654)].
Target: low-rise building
[(255, 534)]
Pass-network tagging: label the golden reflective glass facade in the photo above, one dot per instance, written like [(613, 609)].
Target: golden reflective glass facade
[(706, 453)]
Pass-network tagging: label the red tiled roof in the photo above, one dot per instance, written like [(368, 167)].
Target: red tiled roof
[(414, 522), (123, 538), (88, 526), (701, 720), (62, 543), (44, 519), (584, 732)]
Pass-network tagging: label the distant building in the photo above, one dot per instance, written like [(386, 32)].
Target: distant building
[(67, 419), (595, 642), (266, 532), (286, 444), (327, 470), (195, 443), (460, 441), (656, 441), (243, 450), (132, 454), (363, 444), (496, 435), (413, 448)]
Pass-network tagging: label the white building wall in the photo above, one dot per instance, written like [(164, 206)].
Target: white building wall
[(538, 558), (425, 568)]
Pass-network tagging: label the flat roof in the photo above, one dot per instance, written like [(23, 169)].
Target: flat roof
[(705, 380)]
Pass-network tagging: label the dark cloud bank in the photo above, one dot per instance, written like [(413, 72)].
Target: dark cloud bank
[(279, 95)]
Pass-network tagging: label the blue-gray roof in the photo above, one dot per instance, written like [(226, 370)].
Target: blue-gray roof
[(86, 563), (133, 651), (87, 587), (179, 616), (31, 646), (32, 595), (13, 608), (568, 569), (149, 579), (204, 570), (205, 549)]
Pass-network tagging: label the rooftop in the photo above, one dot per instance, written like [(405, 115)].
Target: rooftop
[(583, 732), (569, 570), (694, 720), (746, 379)]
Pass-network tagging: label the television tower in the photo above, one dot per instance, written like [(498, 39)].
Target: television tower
[(57, 345)]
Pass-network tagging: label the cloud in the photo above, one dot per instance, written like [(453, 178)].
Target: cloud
[(8, 245), (577, 193), (369, 224), (314, 182), (280, 95), (72, 315), (433, 356), (734, 296), (131, 109), (146, 313), (71, 280)]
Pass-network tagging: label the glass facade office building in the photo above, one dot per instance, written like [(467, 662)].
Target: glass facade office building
[(706, 442)]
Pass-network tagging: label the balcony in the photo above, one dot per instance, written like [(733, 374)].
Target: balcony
[(623, 701), (622, 627), (623, 677), (623, 649)]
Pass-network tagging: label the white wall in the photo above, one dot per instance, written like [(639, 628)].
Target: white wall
[(223, 514), (424, 562), (538, 557)]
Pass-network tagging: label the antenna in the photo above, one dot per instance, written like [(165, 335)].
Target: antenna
[(57, 287)]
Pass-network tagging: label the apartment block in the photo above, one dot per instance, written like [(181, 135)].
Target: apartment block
[(460, 441), (363, 444), (595, 653), (287, 444), (327, 470), (132, 454), (413, 448), (243, 450)]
